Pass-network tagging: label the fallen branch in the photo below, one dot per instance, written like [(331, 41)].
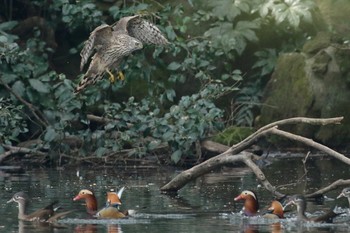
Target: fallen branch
[(214, 146), (103, 120), (236, 154), (207, 166), (16, 150), (312, 143), (98, 119), (184, 177), (330, 187)]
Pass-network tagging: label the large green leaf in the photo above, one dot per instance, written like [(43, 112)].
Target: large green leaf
[(39, 86), (174, 66), (6, 26), (50, 134), (229, 8), (19, 88), (292, 11), (176, 156)]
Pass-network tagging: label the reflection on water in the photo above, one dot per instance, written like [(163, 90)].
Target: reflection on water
[(205, 205)]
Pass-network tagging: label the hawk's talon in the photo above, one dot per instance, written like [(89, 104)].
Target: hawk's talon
[(111, 76), (121, 76)]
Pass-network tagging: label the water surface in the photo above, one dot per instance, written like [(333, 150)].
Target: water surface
[(204, 205)]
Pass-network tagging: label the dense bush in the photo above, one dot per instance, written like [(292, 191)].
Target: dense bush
[(176, 90)]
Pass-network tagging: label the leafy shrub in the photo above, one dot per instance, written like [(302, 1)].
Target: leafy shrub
[(12, 121), (106, 123)]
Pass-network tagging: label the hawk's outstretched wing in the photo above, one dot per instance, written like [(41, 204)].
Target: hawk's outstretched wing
[(141, 29), (99, 37)]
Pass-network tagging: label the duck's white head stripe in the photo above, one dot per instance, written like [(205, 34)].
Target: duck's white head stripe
[(85, 191), (247, 192)]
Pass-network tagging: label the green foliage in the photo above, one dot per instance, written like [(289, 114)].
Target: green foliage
[(236, 37), (267, 59), (229, 9), (290, 12), (246, 101), (12, 121), (233, 135), (26, 72), (81, 13), (178, 89), (189, 121), (234, 25)]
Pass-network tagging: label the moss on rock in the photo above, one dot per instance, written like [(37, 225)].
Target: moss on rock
[(314, 86), (321, 41), (232, 135), (288, 93)]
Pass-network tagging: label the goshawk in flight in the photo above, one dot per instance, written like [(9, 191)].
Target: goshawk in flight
[(110, 44)]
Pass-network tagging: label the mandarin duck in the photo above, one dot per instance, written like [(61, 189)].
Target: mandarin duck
[(300, 202), (90, 200), (113, 198), (109, 211), (345, 193), (251, 203), (275, 210), (46, 214), (112, 206), (251, 206)]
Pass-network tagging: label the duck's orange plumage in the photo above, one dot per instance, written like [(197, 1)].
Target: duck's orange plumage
[(90, 200), (113, 199), (251, 203), (110, 211), (276, 209)]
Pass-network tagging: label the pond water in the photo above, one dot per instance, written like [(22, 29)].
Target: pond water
[(204, 205)]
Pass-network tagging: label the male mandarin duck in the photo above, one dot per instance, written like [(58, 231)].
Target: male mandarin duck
[(113, 198), (90, 200), (251, 205), (275, 210), (300, 202), (46, 214), (345, 193), (110, 211)]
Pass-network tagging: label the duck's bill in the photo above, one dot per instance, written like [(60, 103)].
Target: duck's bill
[(239, 197), (76, 198)]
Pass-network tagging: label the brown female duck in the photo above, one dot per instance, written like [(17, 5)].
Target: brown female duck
[(46, 214)]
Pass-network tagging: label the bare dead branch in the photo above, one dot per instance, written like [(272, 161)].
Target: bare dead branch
[(15, 150), (261, 176), (294, 120), (184, 177), (236, 154), (330, 187), (98, 119), (214, 146), (103, 120), (312, 143), (228, 157)]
